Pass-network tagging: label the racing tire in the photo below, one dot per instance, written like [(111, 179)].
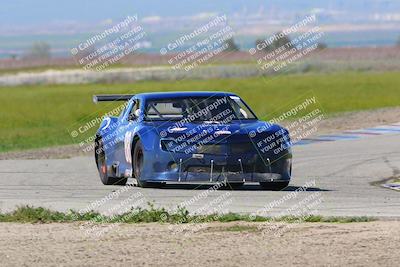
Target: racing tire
[(274, 186), (105, 178), (138, 162)]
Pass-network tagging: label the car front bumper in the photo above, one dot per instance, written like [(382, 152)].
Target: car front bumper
[(227, 177), (236, 171)]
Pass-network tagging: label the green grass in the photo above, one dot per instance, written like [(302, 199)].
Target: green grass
[(396, 180), (28, 214), (40, 116)]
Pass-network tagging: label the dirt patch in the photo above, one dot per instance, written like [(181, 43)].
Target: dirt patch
[(314, 244), (358, 120), (333, 124)]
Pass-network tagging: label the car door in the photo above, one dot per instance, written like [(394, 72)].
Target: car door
[(128, 122)]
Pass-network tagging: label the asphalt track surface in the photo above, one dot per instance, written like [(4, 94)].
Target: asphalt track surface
[(340, 172)]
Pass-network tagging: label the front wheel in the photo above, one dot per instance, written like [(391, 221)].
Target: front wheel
[(274, 186), (138, 163), (138, 159), (105, 178)]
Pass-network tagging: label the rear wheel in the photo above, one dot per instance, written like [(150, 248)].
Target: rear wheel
[(274, 186), (102, 167)]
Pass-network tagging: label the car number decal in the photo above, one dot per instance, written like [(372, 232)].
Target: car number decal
[(127, 146)]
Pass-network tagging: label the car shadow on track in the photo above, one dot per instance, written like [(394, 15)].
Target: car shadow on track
[(309, 189), (250, 187)]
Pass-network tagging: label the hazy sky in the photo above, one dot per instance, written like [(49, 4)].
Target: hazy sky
[(39, 11), (44, 11)]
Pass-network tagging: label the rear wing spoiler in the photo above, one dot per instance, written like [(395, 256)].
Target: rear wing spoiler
[(102, 98)]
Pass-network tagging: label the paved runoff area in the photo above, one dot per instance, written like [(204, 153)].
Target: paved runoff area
[(330, 178)]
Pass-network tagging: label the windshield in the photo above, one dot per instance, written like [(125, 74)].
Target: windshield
[(213, 109)]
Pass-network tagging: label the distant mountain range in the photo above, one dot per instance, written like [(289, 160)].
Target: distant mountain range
[(63, 24), (52, 14)]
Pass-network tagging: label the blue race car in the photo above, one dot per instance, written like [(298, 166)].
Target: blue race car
[(190, 137)]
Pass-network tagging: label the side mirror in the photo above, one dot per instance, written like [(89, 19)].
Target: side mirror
[(131, 117), (244, 113)]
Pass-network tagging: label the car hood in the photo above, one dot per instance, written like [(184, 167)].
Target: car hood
[(235, 131)]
